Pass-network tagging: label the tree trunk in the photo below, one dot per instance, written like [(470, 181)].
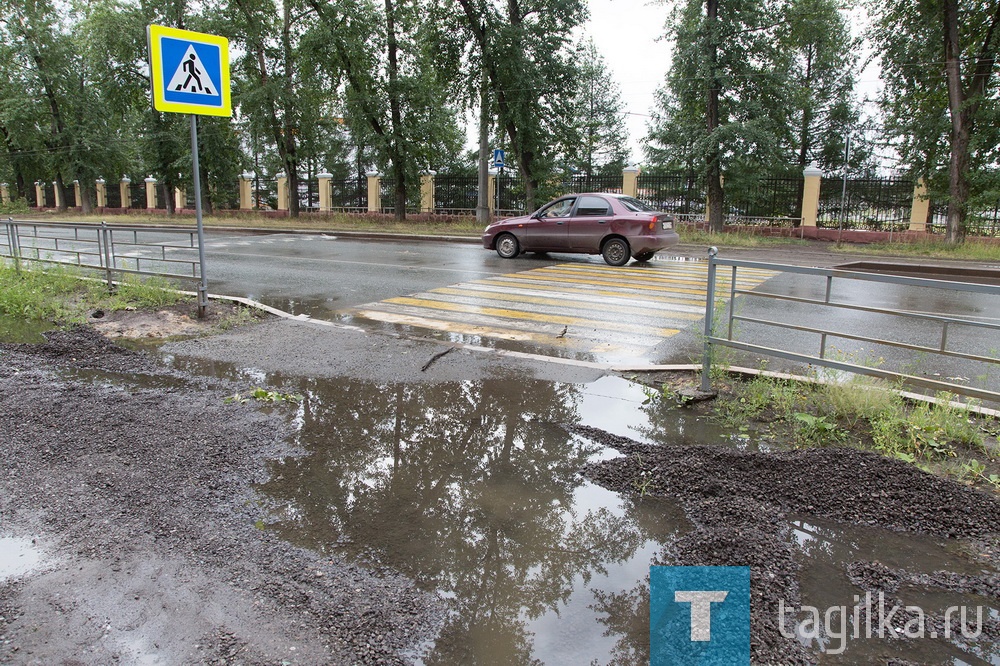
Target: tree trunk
[(714, 153), (958, 186), (395, 113), (60, 193), (86, 204), (483, 197)]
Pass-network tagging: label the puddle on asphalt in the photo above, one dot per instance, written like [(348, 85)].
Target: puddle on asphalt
[(18, 556), (14, 330), (472, 490)]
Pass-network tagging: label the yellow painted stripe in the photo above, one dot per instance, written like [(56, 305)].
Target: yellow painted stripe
[(566, 303), (582, 280), (647, 277), (533, 316), (465, 328), (502, 282)]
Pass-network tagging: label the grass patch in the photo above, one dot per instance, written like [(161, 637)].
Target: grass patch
[(694, 236), (939, 437), (59, 295), (971, 250)]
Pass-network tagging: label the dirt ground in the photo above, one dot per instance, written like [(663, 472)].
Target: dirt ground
[(134, 482)]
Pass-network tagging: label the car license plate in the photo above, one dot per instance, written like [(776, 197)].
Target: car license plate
[(667, 225)]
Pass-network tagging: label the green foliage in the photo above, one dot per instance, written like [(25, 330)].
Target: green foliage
[(817, 430), (59, 295), (15, 207), (37, 295), (263, 395)]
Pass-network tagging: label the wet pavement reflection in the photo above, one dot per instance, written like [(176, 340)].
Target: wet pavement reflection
[(472, 489)]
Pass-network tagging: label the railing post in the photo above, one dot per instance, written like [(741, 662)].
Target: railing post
[(325, 198), (101, 191), (374, 192), (427, 191), (15, 243), (125, 192), (630, 181), (104, 238), (921, 206), (282, 185), (491, 192), (150, 193), (706, 359), (246, 191), (811, 178)]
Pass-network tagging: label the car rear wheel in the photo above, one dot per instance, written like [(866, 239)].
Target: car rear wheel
[(507, 246), (616, 252), (644, 256)]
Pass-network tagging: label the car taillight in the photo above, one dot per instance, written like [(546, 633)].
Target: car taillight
[(652, 224)]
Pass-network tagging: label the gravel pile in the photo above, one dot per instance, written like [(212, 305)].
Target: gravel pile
[(738, 501)]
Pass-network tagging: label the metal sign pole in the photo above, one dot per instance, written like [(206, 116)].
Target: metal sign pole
[(196, 174)]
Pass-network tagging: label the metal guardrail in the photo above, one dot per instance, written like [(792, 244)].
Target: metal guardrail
[(114, 250), (941, 324)]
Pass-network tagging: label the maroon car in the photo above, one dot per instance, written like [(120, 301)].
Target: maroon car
[(612, 225)]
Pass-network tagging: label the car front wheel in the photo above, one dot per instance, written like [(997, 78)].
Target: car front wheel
[(507, 246), (616, 252)]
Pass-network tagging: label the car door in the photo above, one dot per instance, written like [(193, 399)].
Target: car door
[(547, 229), (589, 224)]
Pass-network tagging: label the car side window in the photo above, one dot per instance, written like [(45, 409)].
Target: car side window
[(560, 208), (593, 207)]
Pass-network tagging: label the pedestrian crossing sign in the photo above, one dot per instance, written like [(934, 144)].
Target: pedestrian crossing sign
[(189, 71)]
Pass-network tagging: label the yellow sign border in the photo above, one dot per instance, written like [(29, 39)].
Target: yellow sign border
[(156, 75)]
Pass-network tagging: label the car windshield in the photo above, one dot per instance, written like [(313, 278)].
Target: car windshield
[(636, 206)]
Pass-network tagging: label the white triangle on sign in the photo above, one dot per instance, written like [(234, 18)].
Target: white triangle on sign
[(191, 77)]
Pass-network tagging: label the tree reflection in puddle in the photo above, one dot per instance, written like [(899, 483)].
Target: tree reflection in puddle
[(472, 489)]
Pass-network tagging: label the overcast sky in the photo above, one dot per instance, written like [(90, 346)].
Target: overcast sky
[(628, 33)]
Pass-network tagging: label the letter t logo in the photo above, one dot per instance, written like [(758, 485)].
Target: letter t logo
[(701, 610)]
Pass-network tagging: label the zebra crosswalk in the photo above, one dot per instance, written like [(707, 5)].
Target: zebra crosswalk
[(577, 308)]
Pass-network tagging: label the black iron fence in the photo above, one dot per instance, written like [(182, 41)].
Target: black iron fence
[(455, 193), (679, 193), (137, 195), (349, 194), (510, 194), (264, 194), (387, 191), (592, 183), (881, 204), (764, 201), (112, 196)]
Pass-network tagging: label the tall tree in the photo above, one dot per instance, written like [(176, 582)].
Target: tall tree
[(601, 144), (381, 59), (724, 72), (275, 90), (820, 57), (941, 92), (525, 51)]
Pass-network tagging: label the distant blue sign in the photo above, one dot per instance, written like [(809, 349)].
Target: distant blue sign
[(498, 158)]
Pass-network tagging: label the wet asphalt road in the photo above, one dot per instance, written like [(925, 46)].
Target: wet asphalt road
[(324, 275), (319, 274)]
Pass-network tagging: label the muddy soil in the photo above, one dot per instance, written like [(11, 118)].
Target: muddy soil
[(134, 483), (167, 322), (739, 501)]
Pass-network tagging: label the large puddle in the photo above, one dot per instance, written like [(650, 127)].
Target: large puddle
[(472, 489)]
